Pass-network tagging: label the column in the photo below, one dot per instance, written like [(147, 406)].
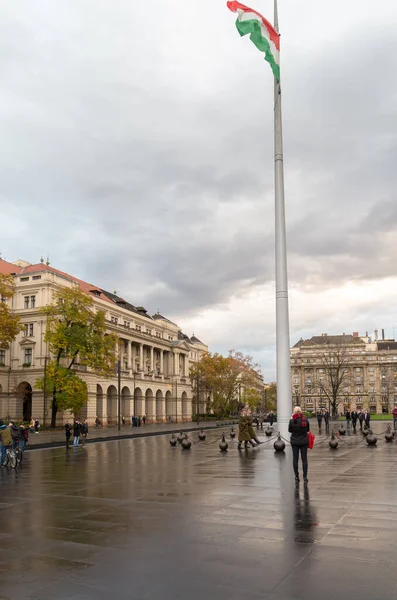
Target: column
[(141, 365), (176, 363), (129, 348), (151, 358), (186, 365), (134, 354), (161, 361)]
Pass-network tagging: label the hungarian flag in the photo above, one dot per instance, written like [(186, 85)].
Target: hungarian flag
[(262, 34)]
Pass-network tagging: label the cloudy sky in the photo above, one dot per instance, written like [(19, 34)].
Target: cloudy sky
[(137, 151)]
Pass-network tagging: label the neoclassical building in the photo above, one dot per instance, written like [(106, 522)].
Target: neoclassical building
[(155, 355), (371, 363)]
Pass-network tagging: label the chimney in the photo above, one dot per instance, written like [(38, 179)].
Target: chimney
[(376, 335), (355, 333), (323, 335), (366, 334), (383, 334)]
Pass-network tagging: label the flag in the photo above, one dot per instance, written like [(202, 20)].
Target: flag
[(262, 33)]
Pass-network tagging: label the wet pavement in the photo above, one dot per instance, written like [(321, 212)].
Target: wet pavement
[(137, 519)]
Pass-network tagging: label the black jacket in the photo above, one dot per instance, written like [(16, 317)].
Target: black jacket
[(299, 433), (76, 429)]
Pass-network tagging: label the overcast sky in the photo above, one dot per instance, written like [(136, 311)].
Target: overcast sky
[(136, 150)]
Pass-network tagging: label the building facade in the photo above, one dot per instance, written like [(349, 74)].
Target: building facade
[(370, 372), (155, 355)]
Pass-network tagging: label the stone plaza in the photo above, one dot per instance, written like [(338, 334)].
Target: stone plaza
[(137, 519)]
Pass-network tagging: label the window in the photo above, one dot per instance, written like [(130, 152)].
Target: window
[(30, 329), (2, 358), (3, 299), (372, 390), (158, 334), (149, 331), (36, 277), (24, 279), (358, 369), (32, 301), (127, 324), (170, 338), (138, 327), (28, 356), (321, 370), (26, 304), (371, 369), (25, 330), (114, 320)]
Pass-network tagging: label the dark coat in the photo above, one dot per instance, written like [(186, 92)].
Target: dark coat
[(354, 416), (299, 433), (76, 429)]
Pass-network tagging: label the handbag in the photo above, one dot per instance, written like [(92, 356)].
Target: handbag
[(311, 438)]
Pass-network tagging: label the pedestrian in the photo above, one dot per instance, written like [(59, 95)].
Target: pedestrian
[(367, 418), (354, 416), (394, 413), (84, 431), (31, 425), (139, 421), (319, 420), (348, 419), (123, 420), (5, 441), (144, 420), (76, 433), (68, 433), (244, 435), (97, 422), (23, 439), (326, 421), (299, 427), (361, 419), (271, 418), (36, 426)]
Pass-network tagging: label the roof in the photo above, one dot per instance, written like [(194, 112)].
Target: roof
[(387, 345), (330, 340), (195, 340), (183, 336), (119, 301)]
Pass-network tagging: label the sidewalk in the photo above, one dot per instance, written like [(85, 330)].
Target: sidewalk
[(56, 438)]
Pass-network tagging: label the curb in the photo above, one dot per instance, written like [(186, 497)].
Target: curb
[(126, 436)]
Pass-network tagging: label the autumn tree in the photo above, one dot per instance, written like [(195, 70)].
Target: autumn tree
[(10, 324), (75, 331), (335, 376), (271, 397), (225, 377)]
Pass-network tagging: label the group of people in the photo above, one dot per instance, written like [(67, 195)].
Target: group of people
[(246, 431), (362, 416), (321, 415), (13, 436), (78, 429)]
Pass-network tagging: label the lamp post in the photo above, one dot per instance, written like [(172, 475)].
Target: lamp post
[(45, 391)]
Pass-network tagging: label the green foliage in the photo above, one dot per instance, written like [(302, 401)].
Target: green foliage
[(75, 331), (224, 377), (10, 324), (271, 397)]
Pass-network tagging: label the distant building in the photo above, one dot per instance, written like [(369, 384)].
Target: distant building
[(371, 381), (155, 355)]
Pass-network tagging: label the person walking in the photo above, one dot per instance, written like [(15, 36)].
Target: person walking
[(367, 418), (326, 421), (319, 420), (23, 439), (299, 427), (36, 426), (271, 418), (394, 413), (354, 416), (76, 433), (84, 431), (348, 419), (5, 441), (68, 433), (244, 426)]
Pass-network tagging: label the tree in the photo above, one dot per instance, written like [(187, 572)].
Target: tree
[(271, 397), (10, 324), (75, 332), (225, 377), (335, 376), (387, 388)]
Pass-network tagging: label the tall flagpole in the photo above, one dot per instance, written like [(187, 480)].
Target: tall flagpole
[(284, 400)]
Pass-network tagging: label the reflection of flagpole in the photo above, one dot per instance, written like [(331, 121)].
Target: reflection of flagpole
[(284, 403)]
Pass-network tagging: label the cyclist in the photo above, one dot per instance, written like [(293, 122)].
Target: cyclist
[(5, 440), (23, 438)]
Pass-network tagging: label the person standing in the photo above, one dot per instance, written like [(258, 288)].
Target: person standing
[(271, 418), (354, 416), (36, 426), (348, 419), (367, 418), (326, 421), (23, 439), (361, 419), (76, 433), (394, 413), (299, 427), (319, 420), (84, 431), (68, 433)]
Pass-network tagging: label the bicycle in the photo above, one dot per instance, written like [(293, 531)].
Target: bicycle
[(13, 457)]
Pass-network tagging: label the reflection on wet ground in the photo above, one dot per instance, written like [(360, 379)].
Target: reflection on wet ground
[(138, 519)]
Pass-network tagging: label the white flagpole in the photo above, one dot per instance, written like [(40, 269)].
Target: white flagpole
[(284, 400)]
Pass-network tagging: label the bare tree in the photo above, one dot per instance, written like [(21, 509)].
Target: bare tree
[(335, 376), (387, 388)]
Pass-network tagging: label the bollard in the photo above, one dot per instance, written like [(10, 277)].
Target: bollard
[(186, 443), (279, 444), (173, 440), (181, 436), (333, 442), (232, 433), (202, 435), (342, 430), (366, 431), (389, 434), (223, 445), (371, 438), (268, 431)]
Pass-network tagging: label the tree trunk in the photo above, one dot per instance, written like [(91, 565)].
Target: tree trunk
[(54, 410)]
